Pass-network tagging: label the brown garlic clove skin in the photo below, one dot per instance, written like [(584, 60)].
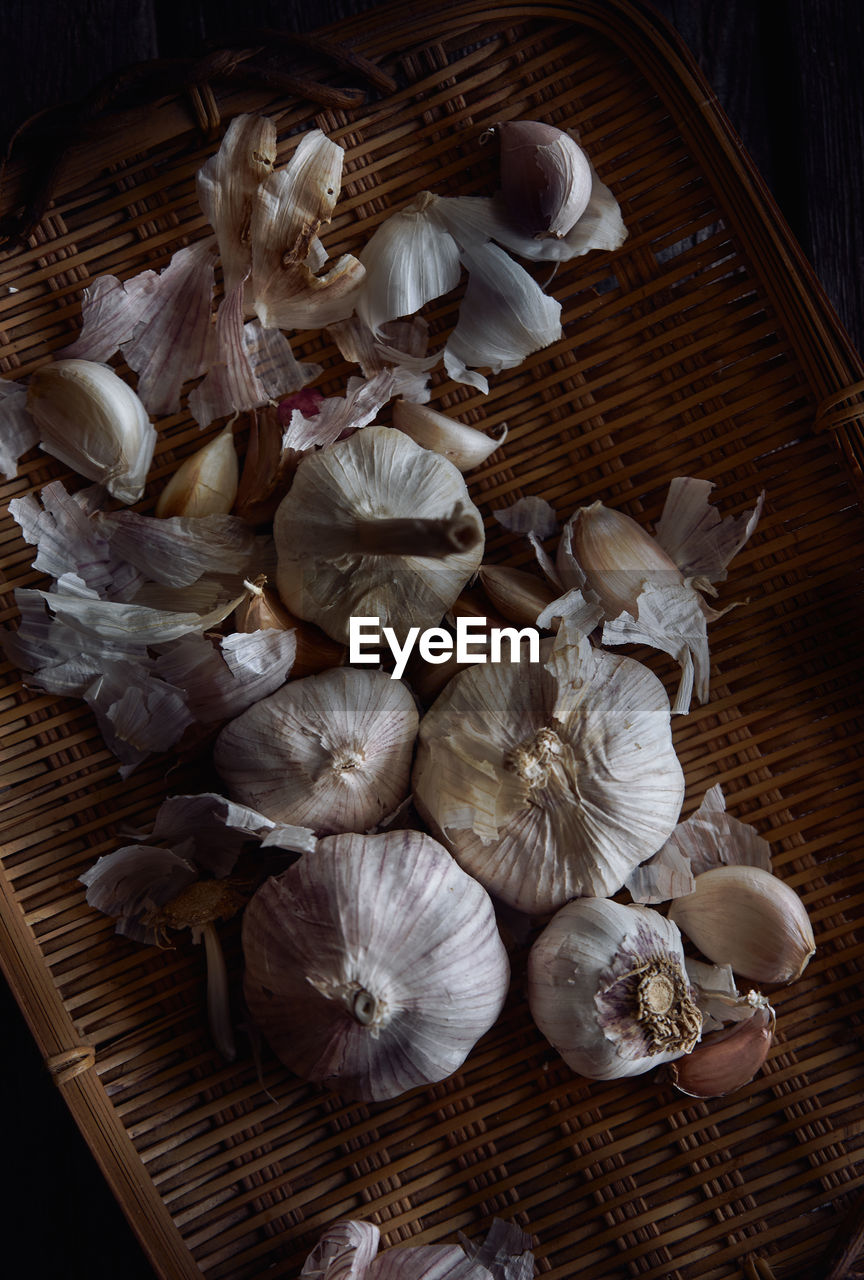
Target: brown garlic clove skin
[(373, 965), (331, 751), (268, 469), (545, 177), (726, 1060), (749, 919), (262, 610)]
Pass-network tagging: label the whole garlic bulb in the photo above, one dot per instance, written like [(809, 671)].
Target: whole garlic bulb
[(375, 526), (373, 965), (331, 751), (608, 988), (550, 780)]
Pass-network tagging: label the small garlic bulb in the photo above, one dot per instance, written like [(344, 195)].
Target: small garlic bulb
[(608, 988), (553, 779), (749, 919), (545, 177), (373, 965), (331, 751), (94, 423)]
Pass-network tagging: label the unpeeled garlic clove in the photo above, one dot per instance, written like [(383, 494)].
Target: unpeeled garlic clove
[(517, 595), (749, 919), (262, 610), (205, 484), (726, 1060), (94, 423), (545, 177), (465, 446), (614, 555)]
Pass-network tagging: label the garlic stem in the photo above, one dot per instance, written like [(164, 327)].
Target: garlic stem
[(413, 536), (218, 1004)]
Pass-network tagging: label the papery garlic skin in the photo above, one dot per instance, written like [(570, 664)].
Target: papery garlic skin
[(550, 780), (375, 477), (749, 919), (608, 988), (545, 177), (373, 965), (93, 422), (227, 187), (330, 751)]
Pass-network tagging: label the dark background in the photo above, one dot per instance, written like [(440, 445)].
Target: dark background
[(789, 74)]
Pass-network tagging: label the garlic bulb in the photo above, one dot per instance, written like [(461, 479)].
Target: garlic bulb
[(545, 177), (94, 423), (553, 779), (747, 918), (331, 751), (373, 965), (465, 446), (205, 484), (375, 526), (608, 988)]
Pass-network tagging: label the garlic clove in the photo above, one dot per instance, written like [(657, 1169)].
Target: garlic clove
[(94, 423), (608, 987), (374, 965), (331, 751), (611, 553), (747, 918), (205, 484), (262, 610), (726, 1060), (519, 596), (465, 446), (545, 177), (268, 469)]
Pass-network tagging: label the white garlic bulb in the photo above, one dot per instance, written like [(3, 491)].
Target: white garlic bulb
[(747, 918), (331, 751), (550, 780), (94, 423), (608, 988), (375, 526), (373, 965)]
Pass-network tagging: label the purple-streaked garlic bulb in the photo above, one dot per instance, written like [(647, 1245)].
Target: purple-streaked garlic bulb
[(331, 751), (550, 780), (374, 964), (608, 988)]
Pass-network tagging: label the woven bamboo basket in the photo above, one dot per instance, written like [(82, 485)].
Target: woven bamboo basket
[(703, 347)]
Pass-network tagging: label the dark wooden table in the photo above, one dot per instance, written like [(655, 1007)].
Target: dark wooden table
[(789, 75)]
